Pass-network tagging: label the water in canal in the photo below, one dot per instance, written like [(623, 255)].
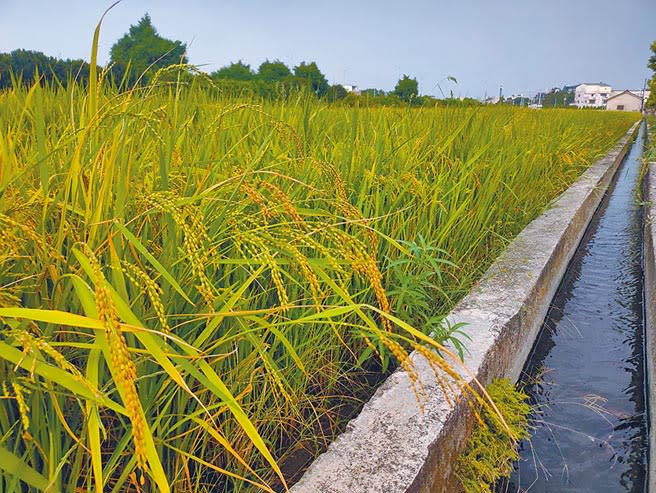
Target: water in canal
[(586, 375)]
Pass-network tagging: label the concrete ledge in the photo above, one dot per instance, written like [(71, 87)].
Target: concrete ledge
[(394, 447), (649, 260)]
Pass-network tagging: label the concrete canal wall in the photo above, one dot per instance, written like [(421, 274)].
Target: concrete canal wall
[(393, 446), (649, 259)]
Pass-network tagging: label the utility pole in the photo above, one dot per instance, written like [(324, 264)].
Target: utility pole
[(642, 99)]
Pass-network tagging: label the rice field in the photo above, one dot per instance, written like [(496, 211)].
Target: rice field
[(195, 289)]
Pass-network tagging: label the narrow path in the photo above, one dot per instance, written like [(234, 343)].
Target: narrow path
[(585, 374)]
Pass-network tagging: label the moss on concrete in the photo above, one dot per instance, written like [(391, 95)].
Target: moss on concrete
[(491, 449)]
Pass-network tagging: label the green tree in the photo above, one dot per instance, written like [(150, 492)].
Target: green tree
[(234, 71), (651, 102), (652, 59), (311, 73), (335, 93), (406, 88), (372, 92), (557, 98), (143, 50), (274, 71)]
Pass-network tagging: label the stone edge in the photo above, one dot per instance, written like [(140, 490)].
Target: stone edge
[(649, 261)]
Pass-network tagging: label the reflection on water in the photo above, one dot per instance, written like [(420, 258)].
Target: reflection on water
[(585, 375)]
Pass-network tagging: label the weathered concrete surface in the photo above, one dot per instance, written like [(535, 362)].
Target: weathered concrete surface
[(649, 260), (392, 446)]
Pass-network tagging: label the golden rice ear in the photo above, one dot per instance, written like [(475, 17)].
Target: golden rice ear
[(23, 409), (195, 241), (32, 344), (304, 265), (362, 262), (403, 358), (258, 199), (123, 368), (255, 245), (143, 281), (342, 203), (284, 199)]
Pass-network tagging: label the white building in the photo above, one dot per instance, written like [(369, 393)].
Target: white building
[(627, 100), (351, 88), (592, 95)]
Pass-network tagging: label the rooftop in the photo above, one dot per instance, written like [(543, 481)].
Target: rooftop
[(635, 94)]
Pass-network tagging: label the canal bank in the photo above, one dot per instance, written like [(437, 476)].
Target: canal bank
[(586, 373), (395, 445), (649, 235)]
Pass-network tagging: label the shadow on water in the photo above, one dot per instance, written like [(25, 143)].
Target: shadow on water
[(585, 375)]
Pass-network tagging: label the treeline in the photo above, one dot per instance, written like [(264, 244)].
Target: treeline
[(23, 67), (142, 52), (651, 63), (274, 79)]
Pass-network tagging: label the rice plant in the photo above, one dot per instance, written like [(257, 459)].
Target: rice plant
[(194, 288)]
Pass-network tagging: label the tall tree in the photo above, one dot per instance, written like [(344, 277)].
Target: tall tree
[(274, 71), (335, 93), (406, 88), (652, 59), (651, 102), (557, 98), (311, 73), (145, 50), (234, 71)]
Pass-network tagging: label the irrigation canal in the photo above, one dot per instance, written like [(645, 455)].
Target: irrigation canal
[(586, 373)]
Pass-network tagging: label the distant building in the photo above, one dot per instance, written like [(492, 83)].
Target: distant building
[(518, 100), (351, 88), (592, 95), (627, 100)]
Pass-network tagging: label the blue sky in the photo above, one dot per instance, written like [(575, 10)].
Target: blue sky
[(526, 46)]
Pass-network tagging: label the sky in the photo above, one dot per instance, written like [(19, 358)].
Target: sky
[(525, 46)]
